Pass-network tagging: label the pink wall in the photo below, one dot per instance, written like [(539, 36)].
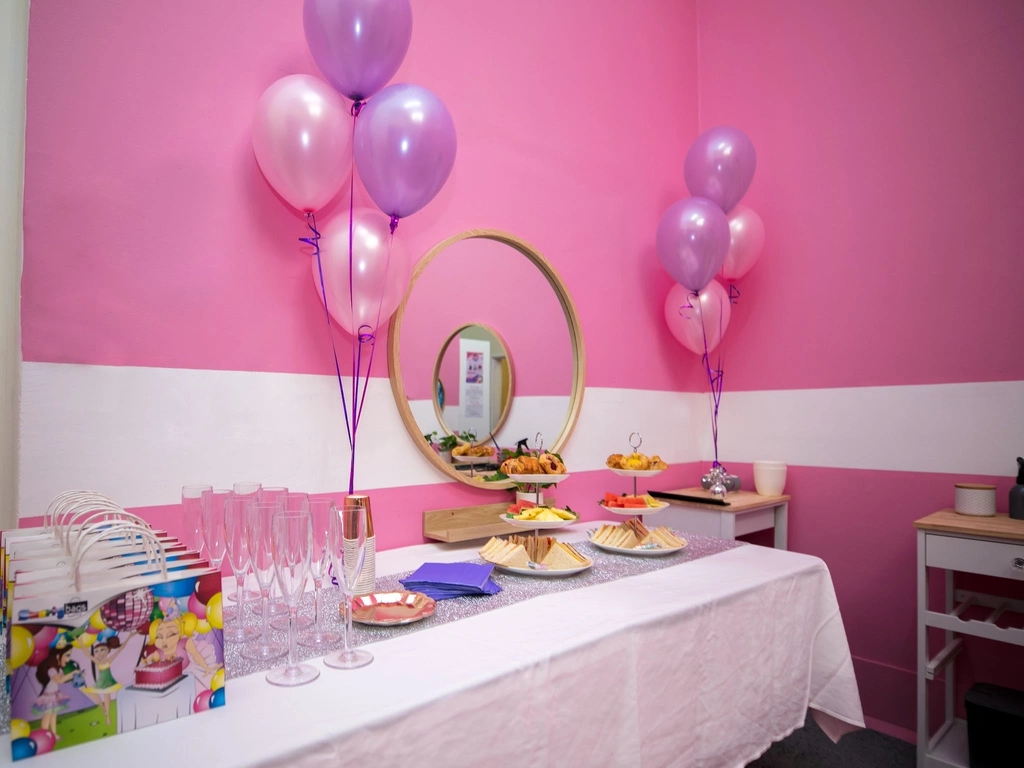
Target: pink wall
[(152, 240), (890, 174)]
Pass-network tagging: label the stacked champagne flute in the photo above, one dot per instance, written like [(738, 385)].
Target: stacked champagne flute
[(283, 538)]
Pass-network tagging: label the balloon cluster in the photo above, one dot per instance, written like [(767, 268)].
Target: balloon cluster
[(401, 140), (708, 234)]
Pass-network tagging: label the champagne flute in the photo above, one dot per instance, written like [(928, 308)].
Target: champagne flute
[(292, 541), (277, 608), (293, 502), (320, 511), (259, 530), (191, 514), (237, 546), (212, 526), (251, 491), (348, 552)]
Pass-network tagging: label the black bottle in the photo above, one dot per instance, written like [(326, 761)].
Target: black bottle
[(1017, 493)]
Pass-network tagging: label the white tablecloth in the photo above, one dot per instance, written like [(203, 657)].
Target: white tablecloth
[(702, 664)]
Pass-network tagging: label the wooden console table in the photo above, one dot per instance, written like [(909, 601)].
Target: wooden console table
[(747, 512), (991, 546)]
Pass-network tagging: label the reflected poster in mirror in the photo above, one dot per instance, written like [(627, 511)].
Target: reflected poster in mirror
[(486, 347), (473, 365)]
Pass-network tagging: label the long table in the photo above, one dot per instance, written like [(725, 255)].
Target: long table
[(701, 664)]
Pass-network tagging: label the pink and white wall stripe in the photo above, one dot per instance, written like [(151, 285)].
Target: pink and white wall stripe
[(171, 333)]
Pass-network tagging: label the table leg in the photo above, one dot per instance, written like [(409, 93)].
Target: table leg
[(950, 671), (727, 525), (922, 652), (781, 526)]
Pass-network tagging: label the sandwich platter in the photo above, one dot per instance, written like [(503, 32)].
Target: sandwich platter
[(634, 538), (542, 556)]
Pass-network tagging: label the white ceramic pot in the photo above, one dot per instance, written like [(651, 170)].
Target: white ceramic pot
[(769, 477), (530, 496), (977, 500)]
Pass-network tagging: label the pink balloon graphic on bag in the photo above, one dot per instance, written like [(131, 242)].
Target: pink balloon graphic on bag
[(692, 318)]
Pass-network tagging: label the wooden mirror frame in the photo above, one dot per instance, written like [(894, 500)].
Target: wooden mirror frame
[(506, 409), (579, 362)]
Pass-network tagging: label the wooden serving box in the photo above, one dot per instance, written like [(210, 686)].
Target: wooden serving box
[(468, 523)]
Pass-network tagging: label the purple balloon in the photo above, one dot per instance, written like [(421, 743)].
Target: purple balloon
[(405, 148), (693, 240), (720, 166), (358, 44)]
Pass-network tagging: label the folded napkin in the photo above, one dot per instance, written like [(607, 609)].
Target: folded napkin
[(444, 580)]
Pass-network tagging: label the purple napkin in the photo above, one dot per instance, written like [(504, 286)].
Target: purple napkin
[(443, 580)]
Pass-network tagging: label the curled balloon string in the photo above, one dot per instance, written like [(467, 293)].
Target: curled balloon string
[(371, 335), (734, 293), (314, 240), (715, 380), (357, 107)]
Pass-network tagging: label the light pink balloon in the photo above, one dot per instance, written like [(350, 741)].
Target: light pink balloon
[(746, 241), (685, 312), (376, 282), (302, 137)]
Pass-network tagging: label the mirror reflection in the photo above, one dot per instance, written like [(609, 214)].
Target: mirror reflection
[(475, 306), (474, 381)]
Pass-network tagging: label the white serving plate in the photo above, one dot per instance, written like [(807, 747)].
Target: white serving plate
[(637, 472), (537, 525), (544, 573), (634, 512), (538, 479), (638, 552)]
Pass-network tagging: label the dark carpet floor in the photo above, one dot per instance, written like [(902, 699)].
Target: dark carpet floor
[(809, 747)]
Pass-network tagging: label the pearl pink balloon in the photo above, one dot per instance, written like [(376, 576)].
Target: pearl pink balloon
[(685, 313), (746, 241), (44, 739), (302, 137), (375, 281)]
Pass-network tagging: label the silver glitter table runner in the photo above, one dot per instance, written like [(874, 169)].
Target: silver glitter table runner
[(514, 589)]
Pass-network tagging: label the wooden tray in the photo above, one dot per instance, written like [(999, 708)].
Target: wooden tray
[(468, 523)]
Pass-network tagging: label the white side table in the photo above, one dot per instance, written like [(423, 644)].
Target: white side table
[(747, 512), (992, 546)]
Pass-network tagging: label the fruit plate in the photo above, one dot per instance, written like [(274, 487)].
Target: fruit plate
[(538, 479), (474, 460), (537, 524), (638, 552), (633, 511), (636, 472), (388, 609), (544, 573)]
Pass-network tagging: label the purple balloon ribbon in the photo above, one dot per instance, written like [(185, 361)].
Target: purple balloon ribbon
[(715, 381), (314, 240)]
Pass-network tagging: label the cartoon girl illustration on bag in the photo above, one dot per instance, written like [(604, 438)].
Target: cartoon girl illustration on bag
[(51, 676), (102, 653), (169, 639)]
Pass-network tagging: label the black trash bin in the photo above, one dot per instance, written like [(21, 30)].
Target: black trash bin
[(995, 726)]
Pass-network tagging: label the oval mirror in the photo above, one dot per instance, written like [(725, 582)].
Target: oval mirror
[(485, 352)]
